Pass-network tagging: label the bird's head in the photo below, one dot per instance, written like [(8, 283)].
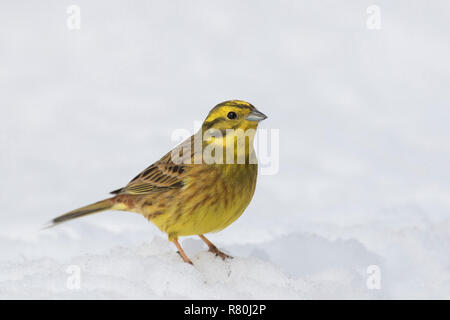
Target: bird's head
[(233, 114)]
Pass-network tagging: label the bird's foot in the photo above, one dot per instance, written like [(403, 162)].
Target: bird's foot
[(213, 248), (181, 252), (219, 253), (185, 258)]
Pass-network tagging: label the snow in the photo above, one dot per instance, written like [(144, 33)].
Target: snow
[(364, 153), (154, 271), (295, 266)]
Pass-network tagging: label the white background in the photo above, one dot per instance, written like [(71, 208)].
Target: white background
[(364, 145)]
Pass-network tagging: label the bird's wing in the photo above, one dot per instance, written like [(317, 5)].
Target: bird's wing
[(160, 176)]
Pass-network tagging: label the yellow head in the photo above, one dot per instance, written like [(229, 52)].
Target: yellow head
[(228, 132), (233, 114)]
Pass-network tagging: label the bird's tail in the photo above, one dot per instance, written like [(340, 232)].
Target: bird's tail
[(84, 211)]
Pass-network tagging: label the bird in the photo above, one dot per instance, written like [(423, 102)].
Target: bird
[(201, 186)]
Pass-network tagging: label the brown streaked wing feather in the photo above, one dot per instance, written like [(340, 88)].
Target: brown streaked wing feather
[(163, 174), (158, 177)]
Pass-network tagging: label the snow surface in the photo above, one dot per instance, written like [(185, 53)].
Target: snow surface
[(363, 116), (153, 270)]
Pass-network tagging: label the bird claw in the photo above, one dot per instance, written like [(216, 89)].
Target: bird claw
[(185, 259), (219, 253)]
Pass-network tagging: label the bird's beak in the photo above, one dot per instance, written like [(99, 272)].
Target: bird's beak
[(255, 115)]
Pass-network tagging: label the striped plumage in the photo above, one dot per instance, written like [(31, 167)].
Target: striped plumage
[(183, 194)]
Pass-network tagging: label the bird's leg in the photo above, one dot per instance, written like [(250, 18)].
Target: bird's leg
[(213, 248), (181, 252)]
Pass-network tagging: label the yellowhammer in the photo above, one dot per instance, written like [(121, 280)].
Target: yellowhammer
[(202, 185)]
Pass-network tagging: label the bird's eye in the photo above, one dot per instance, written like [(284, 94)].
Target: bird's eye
[(231, 115)]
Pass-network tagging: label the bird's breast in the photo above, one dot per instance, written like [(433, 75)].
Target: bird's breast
[(211, 200)]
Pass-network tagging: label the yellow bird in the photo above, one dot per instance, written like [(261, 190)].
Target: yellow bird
[(202, 185)]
